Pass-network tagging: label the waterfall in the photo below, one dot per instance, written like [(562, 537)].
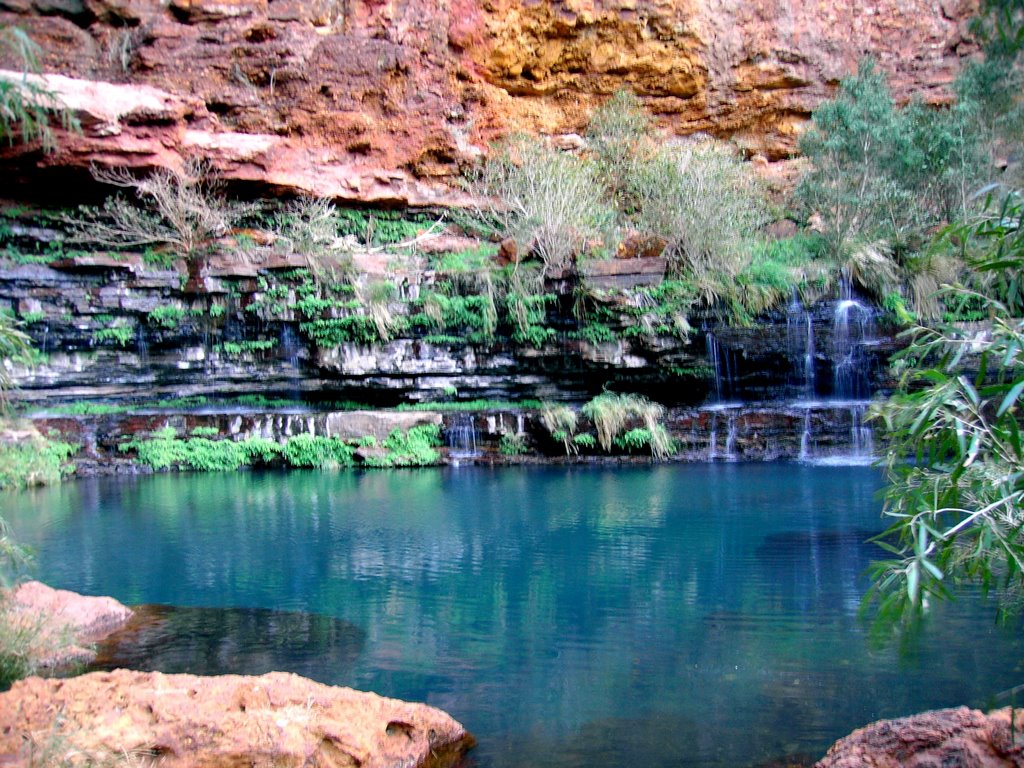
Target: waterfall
[(800, 346), (713, 439), (728, 452), (142, 346), (730, 438), (853, 327), (723, 365), (460, 435), (862, 437), (805, 437), (289, 346)]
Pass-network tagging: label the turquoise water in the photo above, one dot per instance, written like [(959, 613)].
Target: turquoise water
[(657, 616)]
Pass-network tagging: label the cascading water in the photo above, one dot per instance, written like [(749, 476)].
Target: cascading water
[(862, 438), (289, 346), (805, 437), (461, 437), (800, 346), (853, 333), (721, 359), (142, 347), (853, 328), (730, 437), (713, 438)]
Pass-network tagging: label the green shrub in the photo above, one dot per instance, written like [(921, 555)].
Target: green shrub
[(237, 348), (13, 344), (205, 432), (512, 444), (415, 448), (473, 405), (585, 440), (611, 413), (548, 201), (633, 439), (37, 461), (318, 451), (706, 204), (622, 140)]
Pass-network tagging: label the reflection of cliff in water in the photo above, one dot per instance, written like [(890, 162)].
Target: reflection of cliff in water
[(215, 641)]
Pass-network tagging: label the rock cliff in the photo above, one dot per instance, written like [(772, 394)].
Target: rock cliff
[(386, 102)]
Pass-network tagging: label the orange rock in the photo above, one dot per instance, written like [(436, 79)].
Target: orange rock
[(962, 737), (387, 102), (186, 720), (56, 613)]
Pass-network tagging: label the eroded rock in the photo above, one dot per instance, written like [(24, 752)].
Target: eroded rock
[(962, 737), (186, 720)]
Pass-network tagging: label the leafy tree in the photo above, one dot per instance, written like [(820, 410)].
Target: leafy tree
[(958, 508)]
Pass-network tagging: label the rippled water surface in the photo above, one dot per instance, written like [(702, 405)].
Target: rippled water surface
[(657, 616)]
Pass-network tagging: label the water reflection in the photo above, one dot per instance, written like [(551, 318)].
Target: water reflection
[(220, 641), (687, 616)]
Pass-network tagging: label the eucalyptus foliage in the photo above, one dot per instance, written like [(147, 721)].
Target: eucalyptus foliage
[(957, 505)]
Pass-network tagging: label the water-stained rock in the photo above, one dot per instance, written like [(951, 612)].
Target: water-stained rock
[(186, 720)]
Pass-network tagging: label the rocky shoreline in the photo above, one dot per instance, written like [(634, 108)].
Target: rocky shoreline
[(279, 718)]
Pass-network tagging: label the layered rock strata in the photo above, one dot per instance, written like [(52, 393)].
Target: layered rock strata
[(387, 102)]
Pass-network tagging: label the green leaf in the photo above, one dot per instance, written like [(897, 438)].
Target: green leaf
[(1011, 397)]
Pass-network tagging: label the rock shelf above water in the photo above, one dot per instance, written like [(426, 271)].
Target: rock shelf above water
[(187, 720)]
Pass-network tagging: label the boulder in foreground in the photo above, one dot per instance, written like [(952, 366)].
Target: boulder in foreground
[(64, 622), (960, 738), (275, 719)]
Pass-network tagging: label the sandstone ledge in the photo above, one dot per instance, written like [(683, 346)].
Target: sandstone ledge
[(962, 737), (185, 720), (66, 621)]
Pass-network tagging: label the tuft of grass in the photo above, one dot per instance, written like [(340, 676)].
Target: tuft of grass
[(560, 422), (612, 413)]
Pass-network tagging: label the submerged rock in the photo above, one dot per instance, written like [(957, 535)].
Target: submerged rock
[(187, 720), (962, 737), (64, 621)]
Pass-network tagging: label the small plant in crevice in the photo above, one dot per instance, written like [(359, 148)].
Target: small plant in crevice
[(117, 334), (513, 444), (167, 316)]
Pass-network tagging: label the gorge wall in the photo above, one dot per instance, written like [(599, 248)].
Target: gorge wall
[(387, 101)]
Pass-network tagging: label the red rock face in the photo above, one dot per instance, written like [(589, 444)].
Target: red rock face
[(388, 101), (186, 720)]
